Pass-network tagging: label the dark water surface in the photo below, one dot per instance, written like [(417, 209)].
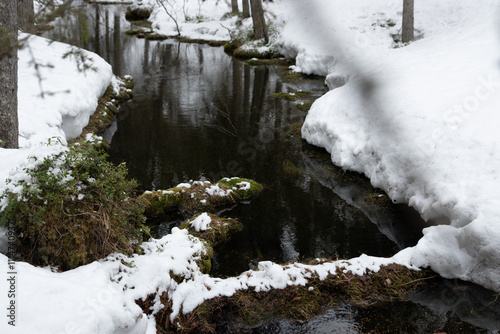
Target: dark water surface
[(200, 114)]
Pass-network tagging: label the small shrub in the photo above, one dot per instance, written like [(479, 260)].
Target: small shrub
[(73, 208)]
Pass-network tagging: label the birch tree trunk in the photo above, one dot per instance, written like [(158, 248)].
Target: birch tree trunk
[(9, 127)]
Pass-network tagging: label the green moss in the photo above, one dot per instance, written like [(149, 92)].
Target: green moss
[(291, 96), (244, 188), (247, 308), (391, 23), (219, 231), (160, 202), (285, 96), (305, 106), (217, 43), (176, 277), (292, 76), (82, 213), (200, 196), (295, 129), (378, 199), (291, 170), (156, 37), (205, 259), (107, 107), (192, 40)]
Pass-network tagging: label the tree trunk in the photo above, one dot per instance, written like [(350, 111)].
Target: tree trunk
[(25, 15), (259, 23), (407, 21), (234, 6), (9, 127), (246, 9)]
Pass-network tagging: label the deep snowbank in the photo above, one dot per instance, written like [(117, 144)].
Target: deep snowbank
[(421, 122), (69, 98)]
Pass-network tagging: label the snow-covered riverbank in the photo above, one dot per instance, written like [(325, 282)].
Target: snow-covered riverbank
[(55, 100), (421, 122)]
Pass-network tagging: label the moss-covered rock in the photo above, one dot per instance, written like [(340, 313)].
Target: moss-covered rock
[(155, 37), (246, 52), (245, 188), (214, 229), (198, 196), (277, 61)]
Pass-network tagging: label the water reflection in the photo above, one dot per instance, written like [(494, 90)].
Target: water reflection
[(198, 114)]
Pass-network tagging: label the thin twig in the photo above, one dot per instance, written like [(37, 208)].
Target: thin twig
[(418, 279)]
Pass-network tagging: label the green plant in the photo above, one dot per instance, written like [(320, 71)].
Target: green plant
[(73, 208), (391, 23)]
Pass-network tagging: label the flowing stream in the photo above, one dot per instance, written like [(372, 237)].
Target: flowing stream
[(198, 113)]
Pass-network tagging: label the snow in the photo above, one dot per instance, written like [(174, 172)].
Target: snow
[(201, 223), (244, 185), (215, 190), (54, 105), (425, 131), (419, 120)]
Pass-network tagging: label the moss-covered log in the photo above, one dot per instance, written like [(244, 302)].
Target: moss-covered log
[(214, 229), (247, 308)]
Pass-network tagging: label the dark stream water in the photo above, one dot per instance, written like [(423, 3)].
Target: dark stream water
[(200, 114)]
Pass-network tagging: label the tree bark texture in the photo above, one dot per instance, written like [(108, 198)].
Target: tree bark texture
[(25, 14), (9, 127), (246, 9), (234, 6), (407, 35), (259, 23)]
